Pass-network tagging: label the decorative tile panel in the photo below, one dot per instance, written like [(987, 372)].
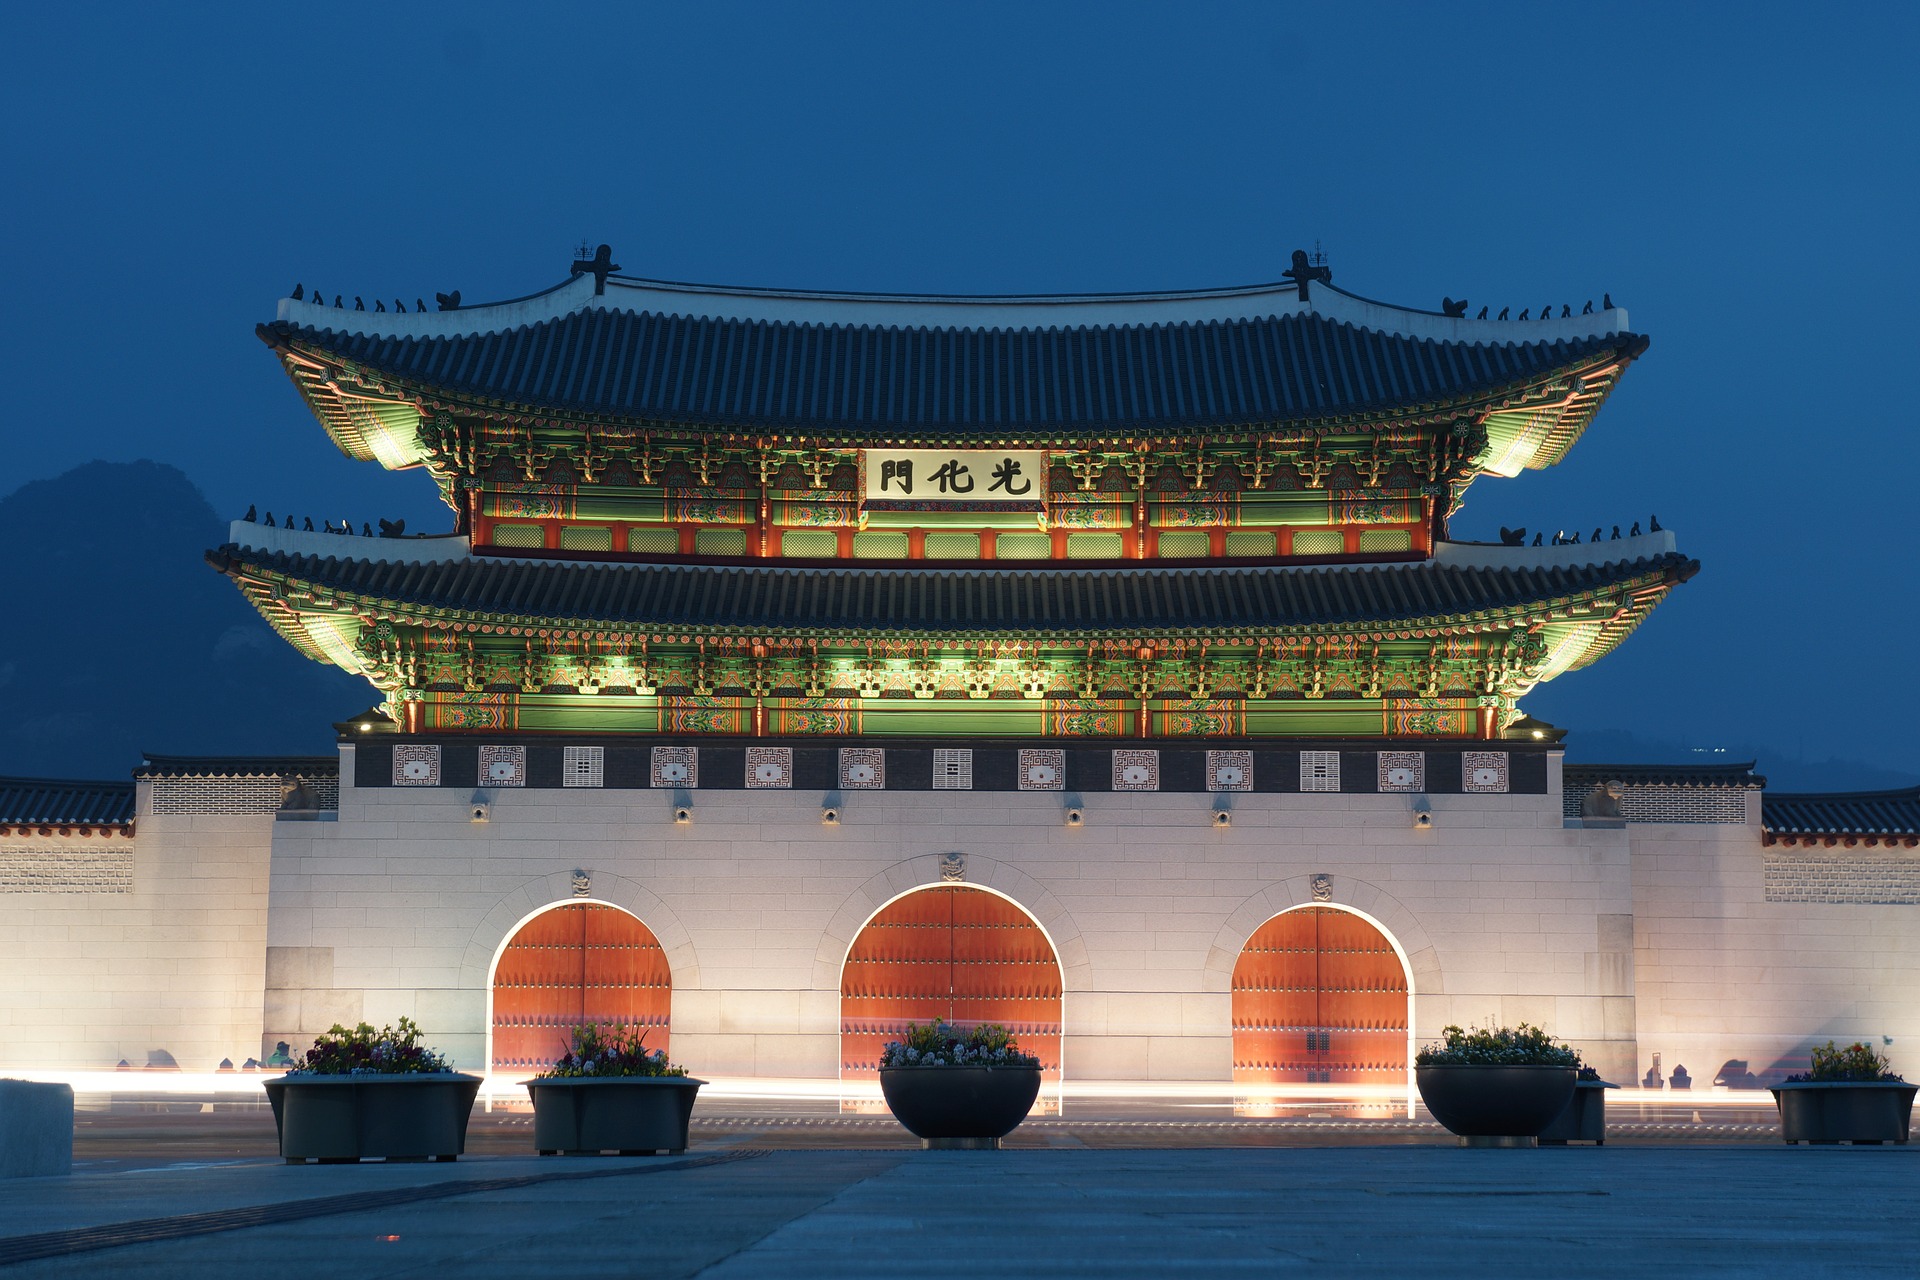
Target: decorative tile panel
[(1403, 770), (66, 871), (769, 768), (503, 766), (415, 765), (1136, 769), (1229, 770), (863, 768), (1319, 770), (953, 769), (1484, 771), (676, 766), (584, 767), (1043, 769)]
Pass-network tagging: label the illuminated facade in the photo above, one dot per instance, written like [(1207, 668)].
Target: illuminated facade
[(800, 664)]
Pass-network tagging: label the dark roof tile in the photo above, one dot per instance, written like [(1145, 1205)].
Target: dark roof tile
[(29, 802), (959, 382), (885, 600)]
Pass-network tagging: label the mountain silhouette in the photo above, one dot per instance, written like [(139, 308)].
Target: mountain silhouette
[(119, 640)]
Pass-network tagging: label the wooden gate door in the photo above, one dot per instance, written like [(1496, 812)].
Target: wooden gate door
[(583, 962), (955, 953), (1319, 997)]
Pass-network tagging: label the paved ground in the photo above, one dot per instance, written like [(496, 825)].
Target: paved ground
[(170, 1187), (1750, 1209)]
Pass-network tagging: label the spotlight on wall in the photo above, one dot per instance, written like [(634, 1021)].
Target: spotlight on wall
[(1222, 818), (1422, 820), (1075, 816), (829, 816), (481, 807), (682, 814)]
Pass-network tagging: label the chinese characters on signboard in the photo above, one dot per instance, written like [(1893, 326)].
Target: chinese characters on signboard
[(954, 479)]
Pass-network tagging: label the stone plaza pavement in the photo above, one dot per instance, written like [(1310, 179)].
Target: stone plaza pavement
[(730, 1209)]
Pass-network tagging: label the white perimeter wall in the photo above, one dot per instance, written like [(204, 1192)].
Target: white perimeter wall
[(91, 974), (1723, 973), (401, 906)]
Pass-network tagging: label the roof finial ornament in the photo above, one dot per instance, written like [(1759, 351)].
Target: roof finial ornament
[(1458, 310), (1503, 313), (299, 291), (448, 301), (1606, 302), (1482, 315), (600, 266), (1588, 309), (1304, 271)]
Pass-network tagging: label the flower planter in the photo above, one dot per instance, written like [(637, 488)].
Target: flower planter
[(1864, 1112), (960, 1107), (1585, 1117), (341, 1119), (1496, 1105), (631, 1115)]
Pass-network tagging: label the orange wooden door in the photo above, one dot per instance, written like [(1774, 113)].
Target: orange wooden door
[(583, 962), (955, 953), (1319, 997)]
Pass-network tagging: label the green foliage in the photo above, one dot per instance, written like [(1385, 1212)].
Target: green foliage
[(1521, 1046), (610, 1050), (1854, 1064), (939, 1044), (365, 1051)]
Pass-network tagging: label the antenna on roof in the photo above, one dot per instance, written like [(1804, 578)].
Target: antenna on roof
[(584, 252), (1319, 258)]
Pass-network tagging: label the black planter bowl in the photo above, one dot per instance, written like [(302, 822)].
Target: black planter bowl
[(1496, 1106), (341, 1119), (1584, 1120), (960, 1107), (1863, 1112), (631, 1115)]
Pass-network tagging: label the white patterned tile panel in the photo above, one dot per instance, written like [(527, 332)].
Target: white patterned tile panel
[(1229, 770), (1043, 769), (769, 768), (503, 766), (676, 767), (1319, 770), (416, 765), (1136, 769), (863, 768)]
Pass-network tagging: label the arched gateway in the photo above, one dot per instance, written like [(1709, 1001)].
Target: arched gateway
[(576, 963), (1319, 997), (954, 952)]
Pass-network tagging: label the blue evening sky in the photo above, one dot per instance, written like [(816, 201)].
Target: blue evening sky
[(1742, 179)]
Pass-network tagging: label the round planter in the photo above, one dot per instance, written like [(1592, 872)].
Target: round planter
[(630, 1115), (1496, 1104), (960, 1106), (340, 1119), (1585, 1117), (1865, 1112)]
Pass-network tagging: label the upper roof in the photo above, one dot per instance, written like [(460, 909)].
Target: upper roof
[(857, 367), (53, 802), (1843, 813)]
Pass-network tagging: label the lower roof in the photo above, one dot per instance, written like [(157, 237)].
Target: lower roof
[(923, 600)]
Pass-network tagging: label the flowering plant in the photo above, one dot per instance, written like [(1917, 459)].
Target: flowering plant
[(612, 1050), (1854, 1064), (939, 1044), (364, 1051), (1521, 1046)]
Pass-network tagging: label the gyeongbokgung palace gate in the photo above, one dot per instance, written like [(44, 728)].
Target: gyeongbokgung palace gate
[(800, 665)]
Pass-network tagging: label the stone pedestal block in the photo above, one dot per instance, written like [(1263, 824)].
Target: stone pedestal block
[(36, 1129)]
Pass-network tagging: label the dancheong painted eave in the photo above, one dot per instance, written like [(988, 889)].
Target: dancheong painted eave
[(857, 369)]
